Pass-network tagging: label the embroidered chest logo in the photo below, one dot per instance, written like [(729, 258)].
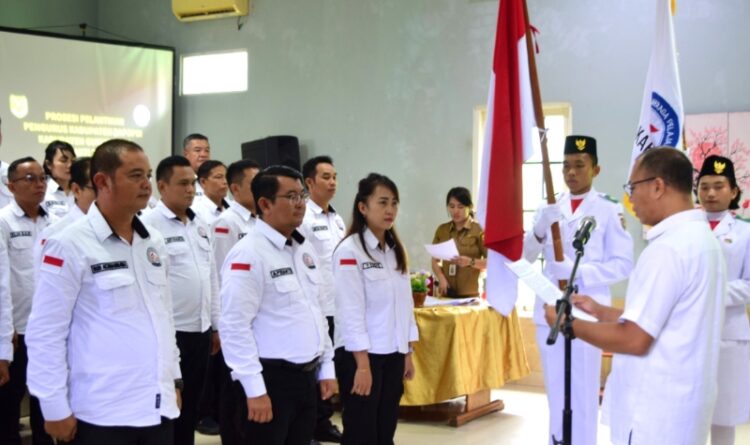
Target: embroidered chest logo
[(20, 233), (202, 232), (174, 239), (372, 265), (153, 257), (308, 260), (112, 265), (276, 273)]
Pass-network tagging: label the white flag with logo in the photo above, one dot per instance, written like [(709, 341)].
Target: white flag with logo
[(662, 116)]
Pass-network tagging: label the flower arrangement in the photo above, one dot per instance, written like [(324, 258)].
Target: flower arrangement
[(420, 281)]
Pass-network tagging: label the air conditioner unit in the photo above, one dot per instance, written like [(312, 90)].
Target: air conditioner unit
[(192, 10)]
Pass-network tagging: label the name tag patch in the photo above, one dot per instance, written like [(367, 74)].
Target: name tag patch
[(319, 228), (276, 273), (372, 265), (174, 239), (20, 233), (112, 265)]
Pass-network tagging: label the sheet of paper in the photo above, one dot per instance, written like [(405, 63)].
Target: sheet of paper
[(432, 301), (443, 251), (542, 287)]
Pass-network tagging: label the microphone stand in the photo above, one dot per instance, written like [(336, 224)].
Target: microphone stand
[(564, 307)]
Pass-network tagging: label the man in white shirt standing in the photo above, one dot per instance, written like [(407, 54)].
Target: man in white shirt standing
[(233, 224), (663, 384), (197, 150), (273, 333), (228, 229), (102, 353), (193, 280), (20, 223), (212, 176), (324, 229)]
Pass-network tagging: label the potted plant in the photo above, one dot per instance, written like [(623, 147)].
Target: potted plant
[(419, 282)]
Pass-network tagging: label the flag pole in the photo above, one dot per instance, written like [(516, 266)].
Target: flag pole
[(539, 118)]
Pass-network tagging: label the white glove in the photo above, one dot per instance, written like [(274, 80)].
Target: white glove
[(560, 270), (548, 215)]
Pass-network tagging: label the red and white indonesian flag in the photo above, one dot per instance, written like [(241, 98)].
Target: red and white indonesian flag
[(507, 144), (662, 116)]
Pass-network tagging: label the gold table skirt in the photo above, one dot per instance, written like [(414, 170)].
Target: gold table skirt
[(462, 350)]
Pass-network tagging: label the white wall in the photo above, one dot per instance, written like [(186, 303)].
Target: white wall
[(390, 85)]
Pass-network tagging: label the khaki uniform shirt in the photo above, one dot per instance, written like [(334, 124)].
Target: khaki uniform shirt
[(470, 242)]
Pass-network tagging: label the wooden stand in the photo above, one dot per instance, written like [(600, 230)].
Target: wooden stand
[(457, 412)]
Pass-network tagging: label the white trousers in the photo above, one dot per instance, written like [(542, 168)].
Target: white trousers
[(586, 364)]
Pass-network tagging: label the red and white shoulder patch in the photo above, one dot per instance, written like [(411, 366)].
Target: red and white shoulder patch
[(348, 263), (221, 230), (242, 267)]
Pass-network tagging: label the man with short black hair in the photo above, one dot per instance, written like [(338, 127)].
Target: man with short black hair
[(232, 225), (21, 221), (193, 281), (197, 150), (102, 353), (663, 384), (324, 228), (270, 285), (212, 176)]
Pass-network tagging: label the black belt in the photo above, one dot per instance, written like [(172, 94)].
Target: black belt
[(312, 365)]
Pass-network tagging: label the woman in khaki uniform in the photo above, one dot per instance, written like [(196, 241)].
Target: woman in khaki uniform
[(459, 278)]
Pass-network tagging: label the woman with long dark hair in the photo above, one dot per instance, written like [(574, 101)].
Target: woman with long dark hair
[(375, 323), (459, 277), (58, 157)]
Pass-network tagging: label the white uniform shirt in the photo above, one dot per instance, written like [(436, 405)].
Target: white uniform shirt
[(675, 294), (230, 227), (324, 230), (101, 339), (270, 308), (73, 215), (192, 271), (734, 236), (56, 202), (207, 210), (6, 307), (5, 195), (19, 233), (198, 188), (374, 305), (608, 255)]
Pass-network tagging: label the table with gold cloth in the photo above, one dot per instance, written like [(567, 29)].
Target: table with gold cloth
[(464, 351)]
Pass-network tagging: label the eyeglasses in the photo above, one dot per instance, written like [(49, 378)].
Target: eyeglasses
[(295, 198), (31, 179), (630, 186)]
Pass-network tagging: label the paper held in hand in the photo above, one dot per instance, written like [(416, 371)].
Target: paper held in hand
[(542, 286), (443, 251)]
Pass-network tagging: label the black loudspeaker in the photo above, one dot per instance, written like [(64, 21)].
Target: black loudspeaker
[(273, 150)]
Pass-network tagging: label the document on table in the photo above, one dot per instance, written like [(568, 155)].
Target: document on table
[(443, 251), (432, 301), (543, 287)]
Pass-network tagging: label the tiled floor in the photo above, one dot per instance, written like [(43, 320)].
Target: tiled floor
[(523, 422)]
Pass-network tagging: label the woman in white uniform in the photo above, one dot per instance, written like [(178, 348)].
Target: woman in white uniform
[(58, 157), (374, 322), (719, 195)]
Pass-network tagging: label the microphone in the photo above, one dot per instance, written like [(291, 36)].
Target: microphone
[(585, 227)]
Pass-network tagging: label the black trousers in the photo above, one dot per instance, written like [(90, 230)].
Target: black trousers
[(294, 397), (11, 395), (88, 434), (325, 407), (208, 405), (370, 420), (194, 352)]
